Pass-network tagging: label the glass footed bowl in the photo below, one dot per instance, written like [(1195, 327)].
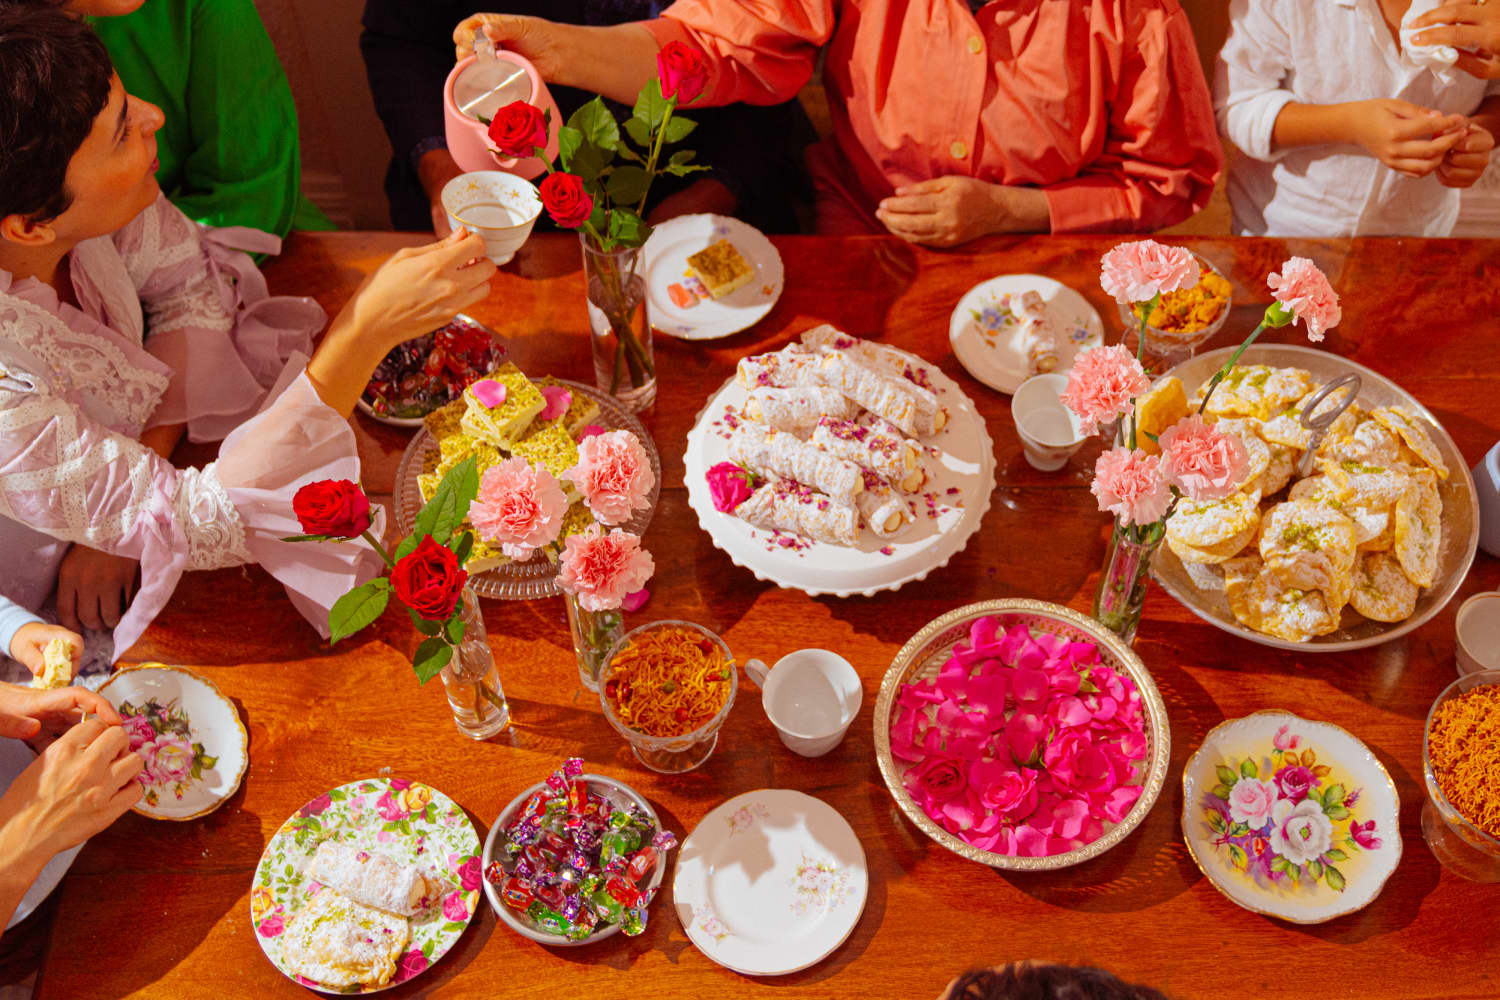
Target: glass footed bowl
[(1171, 347), (1458, 844), (670, 754)]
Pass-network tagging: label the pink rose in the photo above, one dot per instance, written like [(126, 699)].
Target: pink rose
[(454, 907), (1202, 461), (412, 963), (601, 569), (169, 759), (1077, 765), (1284, 739), (1102, 384), (729, 485), (1364, 835), (1251, 801), (1295, 782), (1129, 484), (317, 806), (1013, 794), (469, 874), (589, 430), (519, 506), (613, 475), (388, 809), (1302, 290), (938, 779), (139, 729), (635, 600), (1139, 271), (271, 926)]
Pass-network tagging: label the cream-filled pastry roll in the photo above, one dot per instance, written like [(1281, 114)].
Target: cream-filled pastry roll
[(826, 338), (910, 407), (774, 454), (369, 878), (881, 508), (787, 367), (785, 505), (895, 459), (797, 409), (1040, 331)]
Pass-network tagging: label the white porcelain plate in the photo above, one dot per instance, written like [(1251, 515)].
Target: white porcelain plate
[(770, 882), (195, 746), (961, 465), (664, 264), (986, 335), (1291, 818)]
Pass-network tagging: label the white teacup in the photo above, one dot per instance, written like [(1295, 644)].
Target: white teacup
[(1049, 431), (500, 207), (811, 696), (1478, 629)]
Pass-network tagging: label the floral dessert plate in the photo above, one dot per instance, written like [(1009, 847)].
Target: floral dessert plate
[(960, 460), (770, 882), (409, 823), (1290, 818), (677, 307), (987, 336), (194, 745)]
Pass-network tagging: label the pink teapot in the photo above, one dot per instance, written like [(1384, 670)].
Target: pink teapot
[(482, 86)]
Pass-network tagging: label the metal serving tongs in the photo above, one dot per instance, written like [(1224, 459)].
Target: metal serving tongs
[(1320, 423)]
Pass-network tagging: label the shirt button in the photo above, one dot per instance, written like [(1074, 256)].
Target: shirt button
[(958, 149), (976, 44)]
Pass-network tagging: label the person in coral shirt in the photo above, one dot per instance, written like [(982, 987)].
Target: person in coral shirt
[(951, 119)]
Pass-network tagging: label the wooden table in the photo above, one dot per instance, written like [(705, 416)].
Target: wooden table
[(161, 909)]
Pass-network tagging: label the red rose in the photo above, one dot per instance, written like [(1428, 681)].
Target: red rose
[(517, 128), (683, 71), (428, 580), (334, 507), (941, 778), (567, 202)]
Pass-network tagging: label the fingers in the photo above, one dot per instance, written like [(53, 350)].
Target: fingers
[(1413, 168), (19, 727), (29, 654), (126, 797), (125, 767), (1485, 65), (908, 204), (932, 186), (83, 735), (1429, 149), (463, 35), (67, 699), (109, 744), (67, 600), (1426, 126)]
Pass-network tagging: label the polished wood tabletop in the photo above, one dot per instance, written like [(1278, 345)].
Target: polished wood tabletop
[(162, 909)]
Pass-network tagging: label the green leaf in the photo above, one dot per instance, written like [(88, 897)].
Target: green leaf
[(1333, 795), (1237, 855), (449, 506), (1280, 864), (431, 657), (1315, 869), (594, 122), (681, 157), (407, 547), (311, 538), (1334, 854), (1221, 792), (678, 129), (209, 763), (1350, 843), (587, 162), (455, 630), (1334, 877), (1249, 770), (651, 106), (1227, 776), (627, 185), (626, 228), (680, 164), (568, 141), (638, 131), (422, 624), (1336, 812), (1239, 830), (358, 608), (1216, 821), (462, 546)]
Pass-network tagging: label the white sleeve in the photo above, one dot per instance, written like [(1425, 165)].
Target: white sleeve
[(1250, 75)]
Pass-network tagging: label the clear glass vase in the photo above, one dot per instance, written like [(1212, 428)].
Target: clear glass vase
[(620, 328), (472, 682), (1122, 586), (594, 635)]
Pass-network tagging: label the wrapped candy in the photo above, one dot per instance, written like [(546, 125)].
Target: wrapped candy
[(621, 891), (634, 922), (494, 873), (548, 920), (516, 893), (641, 863)]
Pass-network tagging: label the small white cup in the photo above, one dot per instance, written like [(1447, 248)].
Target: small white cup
[(1049, 431), (811, 696), (500, 207), (1478, 629)]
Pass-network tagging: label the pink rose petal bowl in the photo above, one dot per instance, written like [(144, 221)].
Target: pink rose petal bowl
[(923, 657)]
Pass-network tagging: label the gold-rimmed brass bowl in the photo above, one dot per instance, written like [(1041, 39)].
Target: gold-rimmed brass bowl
[(926, 652)]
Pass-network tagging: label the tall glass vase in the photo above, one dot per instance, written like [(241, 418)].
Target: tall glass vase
[(1127, 567), (472, 682), (594, 635), (620, 328)]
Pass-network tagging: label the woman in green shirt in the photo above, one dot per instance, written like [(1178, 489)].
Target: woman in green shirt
[(229, 151)]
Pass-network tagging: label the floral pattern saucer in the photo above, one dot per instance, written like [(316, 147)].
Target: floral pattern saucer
[(410, 823), (770, 882), (986, 335), (1291, 818), (190, 736), (664, 265)]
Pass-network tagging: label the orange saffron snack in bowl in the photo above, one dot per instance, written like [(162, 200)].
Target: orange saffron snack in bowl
[(668, 682), (1464, 749), (1190, 309)]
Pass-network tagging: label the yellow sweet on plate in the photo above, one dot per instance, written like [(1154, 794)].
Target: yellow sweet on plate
[(1403, 422), (1258, 391), (339, 943), (1204, 524), (1309, 546), (1382, 591), (57, 665), (1160, 408), (1262, 602), (1418, 528), (721, 268)]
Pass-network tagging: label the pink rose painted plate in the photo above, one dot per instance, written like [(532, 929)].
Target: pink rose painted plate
[(1291, 818), (194, 746), (409, 822)]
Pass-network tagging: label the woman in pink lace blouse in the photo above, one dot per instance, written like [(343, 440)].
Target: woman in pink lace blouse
[(123, 324)]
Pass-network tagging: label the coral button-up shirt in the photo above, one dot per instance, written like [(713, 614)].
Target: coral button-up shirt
[(1099, 103)]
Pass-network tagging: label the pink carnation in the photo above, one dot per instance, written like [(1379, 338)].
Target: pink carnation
[(1129, 484), (1202, 461), (519, 506), (1139, 271), (1102, 384), (613, 475), (601, 569), (1303, 289)]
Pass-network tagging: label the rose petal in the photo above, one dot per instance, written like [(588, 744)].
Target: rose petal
[(1029, 686), (589, 430), (489, 392), (987, 695), (558, 400), (635, 600)]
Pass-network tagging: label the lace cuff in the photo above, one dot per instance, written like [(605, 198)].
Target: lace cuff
[(215, 532)]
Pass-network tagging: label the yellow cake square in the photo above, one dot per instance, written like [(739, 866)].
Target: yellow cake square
[(721, 268)]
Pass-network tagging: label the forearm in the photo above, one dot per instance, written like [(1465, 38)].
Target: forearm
[(1487, 116), (1312, 125), (19, 866), (343, 363), (1020, 210), (616, 61)]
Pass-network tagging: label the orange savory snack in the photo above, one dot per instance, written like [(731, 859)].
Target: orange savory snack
[(668, 681), (1191, 309), (1464, 747)]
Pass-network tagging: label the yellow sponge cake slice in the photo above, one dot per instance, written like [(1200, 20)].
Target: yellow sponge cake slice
[(721, 269)]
